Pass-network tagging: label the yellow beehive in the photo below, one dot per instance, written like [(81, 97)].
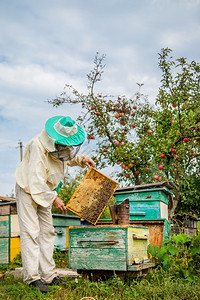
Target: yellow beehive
[(9, 238)]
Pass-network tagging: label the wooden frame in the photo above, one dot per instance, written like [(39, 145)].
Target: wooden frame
[(92, 196)]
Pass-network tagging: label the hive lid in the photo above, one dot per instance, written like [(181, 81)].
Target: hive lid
[(165, 186), (65, 216), (92, 196)]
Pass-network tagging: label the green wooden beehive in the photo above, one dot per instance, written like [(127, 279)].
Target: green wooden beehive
[(61, 225), (9, 238), (107, 247), (145, 204)]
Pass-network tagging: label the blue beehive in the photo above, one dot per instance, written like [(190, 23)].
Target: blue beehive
[(61, 225), (147, 202)]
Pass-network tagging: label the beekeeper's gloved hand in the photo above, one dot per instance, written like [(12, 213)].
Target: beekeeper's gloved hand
[(59, 204), (88, 162)]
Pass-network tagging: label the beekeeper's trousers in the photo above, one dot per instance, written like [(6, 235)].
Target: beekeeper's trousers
[(36, 238)]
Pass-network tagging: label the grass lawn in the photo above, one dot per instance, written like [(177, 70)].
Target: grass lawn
[(157, 285)]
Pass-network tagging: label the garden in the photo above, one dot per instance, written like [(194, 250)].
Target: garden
[(176, 276), (141, 143)]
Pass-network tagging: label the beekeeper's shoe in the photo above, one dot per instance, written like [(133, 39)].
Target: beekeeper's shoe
[(39, 285), (57, 280)]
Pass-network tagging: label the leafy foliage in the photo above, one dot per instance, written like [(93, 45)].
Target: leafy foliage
[(180, 255), (190, 195)]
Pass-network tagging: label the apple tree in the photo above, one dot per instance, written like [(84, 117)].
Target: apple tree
[(177, 122), (144, 142)]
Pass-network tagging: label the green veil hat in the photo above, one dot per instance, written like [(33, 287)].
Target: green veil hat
[(65, 131)]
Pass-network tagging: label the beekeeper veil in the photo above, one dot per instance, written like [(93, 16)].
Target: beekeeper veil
[(65, 153)]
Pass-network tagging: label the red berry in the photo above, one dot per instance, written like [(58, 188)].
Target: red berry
[(122, 122), (186, 140), (174, 104), (160, 167)]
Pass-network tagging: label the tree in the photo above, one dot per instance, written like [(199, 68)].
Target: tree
[(178, 120), (145, 142), (190, 195)]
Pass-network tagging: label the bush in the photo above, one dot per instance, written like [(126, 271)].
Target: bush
[(180, 256)]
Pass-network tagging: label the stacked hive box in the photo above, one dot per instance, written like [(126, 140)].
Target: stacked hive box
[(148, 207), (9, 232)]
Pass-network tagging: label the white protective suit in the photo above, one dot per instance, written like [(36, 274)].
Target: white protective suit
[(37, 176)]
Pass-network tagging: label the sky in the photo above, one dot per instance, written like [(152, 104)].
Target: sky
[(46, 44)]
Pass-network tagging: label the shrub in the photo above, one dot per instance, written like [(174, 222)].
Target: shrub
[(180, 256)]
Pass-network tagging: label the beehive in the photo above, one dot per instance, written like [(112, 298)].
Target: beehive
[(148, 203), (107, 247), (9, 238), (145, 204), (61, 225), (158, 229), (92, 196)]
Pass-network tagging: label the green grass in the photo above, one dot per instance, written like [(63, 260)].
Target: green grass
[(158, 285)]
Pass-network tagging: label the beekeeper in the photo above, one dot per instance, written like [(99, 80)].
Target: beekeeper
[(38, 180)]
